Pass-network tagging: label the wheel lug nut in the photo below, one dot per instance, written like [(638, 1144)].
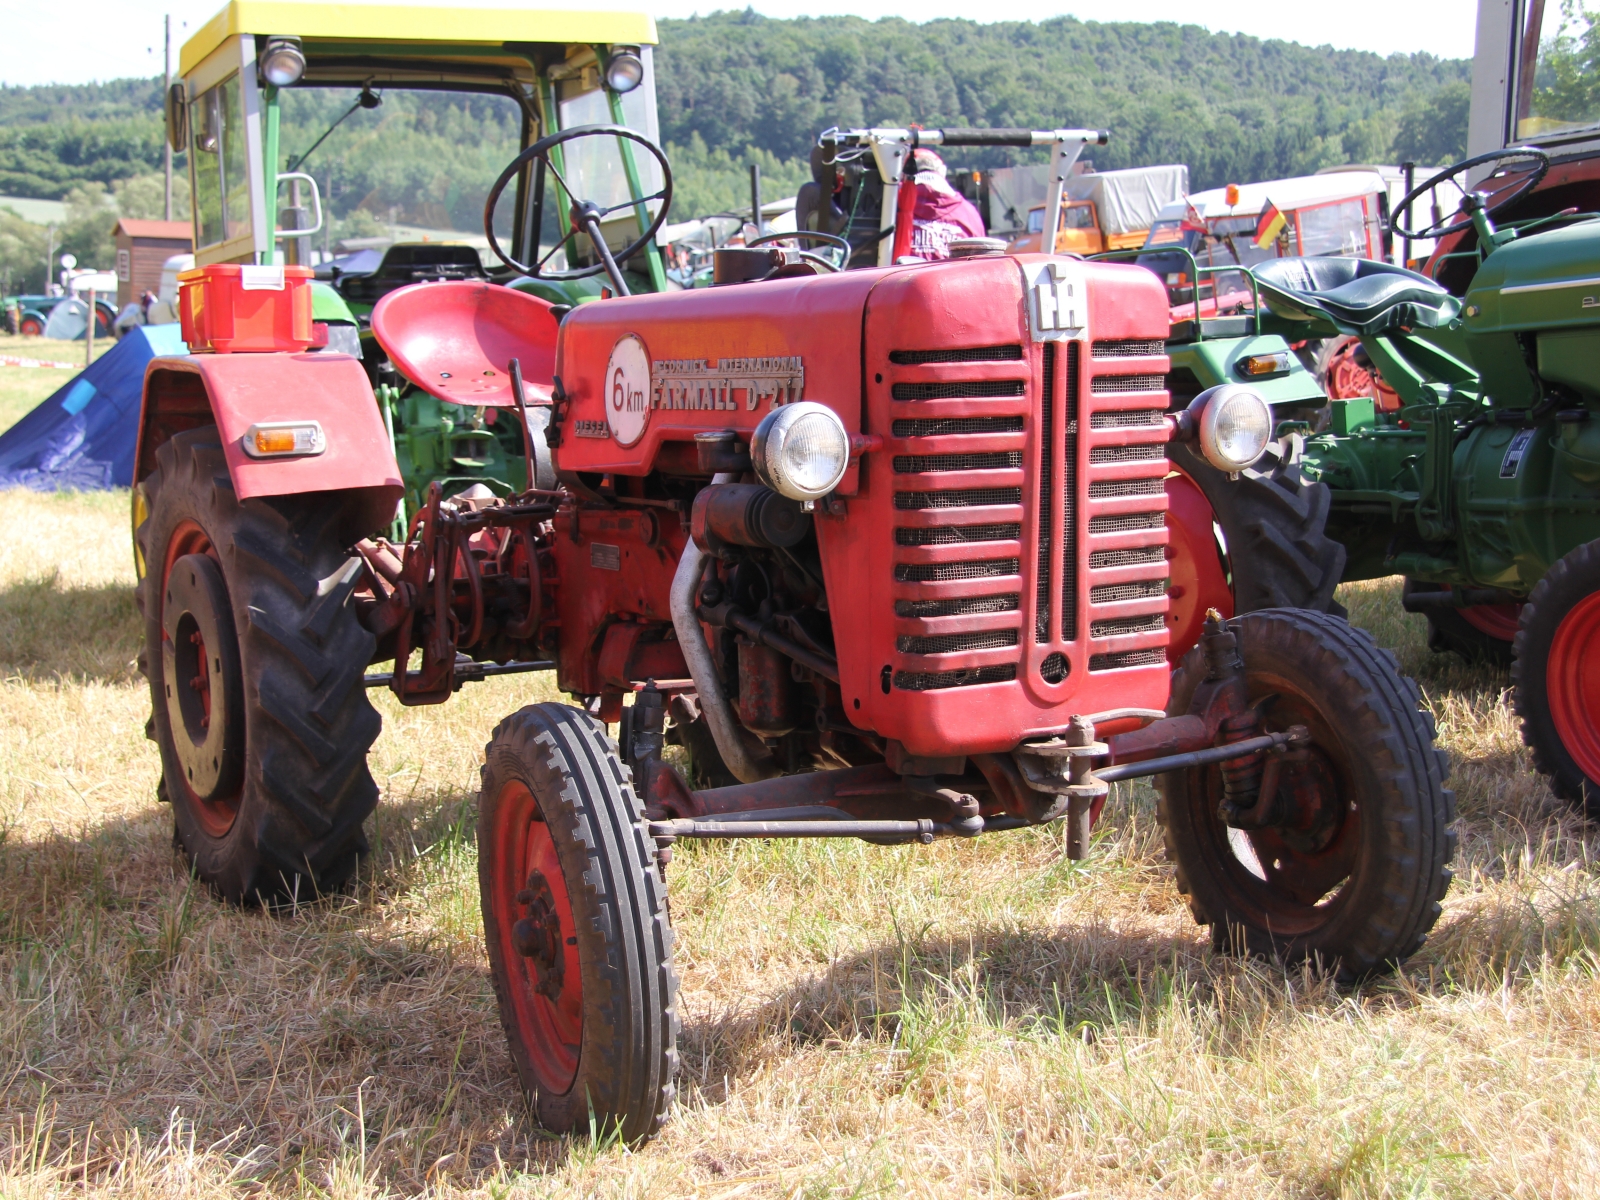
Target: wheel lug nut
[(525, 896)]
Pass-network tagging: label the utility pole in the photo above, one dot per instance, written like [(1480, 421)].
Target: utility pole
[(49, 257), (166, 87)]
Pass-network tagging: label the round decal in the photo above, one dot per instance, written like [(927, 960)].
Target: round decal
[(627, 390)]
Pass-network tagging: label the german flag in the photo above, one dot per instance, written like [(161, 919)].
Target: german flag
[(1271, 224)]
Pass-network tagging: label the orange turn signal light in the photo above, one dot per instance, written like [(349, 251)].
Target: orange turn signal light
[(1256, 365), (279, 439)]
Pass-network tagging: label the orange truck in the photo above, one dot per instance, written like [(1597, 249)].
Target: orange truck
[(1103, 210)]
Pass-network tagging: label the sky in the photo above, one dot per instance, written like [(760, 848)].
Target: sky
[(76, 41)]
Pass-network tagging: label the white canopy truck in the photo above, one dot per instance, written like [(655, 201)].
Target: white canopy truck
[(1102, 210)]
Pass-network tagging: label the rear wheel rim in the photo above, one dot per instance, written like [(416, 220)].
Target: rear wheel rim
[(1572, 683), (217, 814), (528, 888), (1498, 621)]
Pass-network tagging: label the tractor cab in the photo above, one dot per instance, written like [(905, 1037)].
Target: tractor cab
[(314, 132)]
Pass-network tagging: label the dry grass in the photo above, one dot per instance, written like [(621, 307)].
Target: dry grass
[(983, 1018)]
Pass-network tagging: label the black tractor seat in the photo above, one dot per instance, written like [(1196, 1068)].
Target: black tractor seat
[(1354, 295)]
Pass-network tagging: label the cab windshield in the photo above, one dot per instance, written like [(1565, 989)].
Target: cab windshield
[(1560, 62), (401, 165)]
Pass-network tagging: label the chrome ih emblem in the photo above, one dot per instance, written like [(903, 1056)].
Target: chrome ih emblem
[(1058, 302)]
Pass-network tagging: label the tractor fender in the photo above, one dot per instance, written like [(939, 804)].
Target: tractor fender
[(235, 391), (1198, 578)]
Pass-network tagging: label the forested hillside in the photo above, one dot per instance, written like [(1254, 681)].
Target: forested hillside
[(738, 87)]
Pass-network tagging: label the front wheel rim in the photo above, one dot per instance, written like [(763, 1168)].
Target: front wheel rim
[(538, 942), (1572, 683)]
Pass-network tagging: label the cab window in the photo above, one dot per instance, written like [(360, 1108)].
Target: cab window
[(1168, 233), (221, 182), (1339, 228), (1559, 60), (1036, 220), (1077, 216)]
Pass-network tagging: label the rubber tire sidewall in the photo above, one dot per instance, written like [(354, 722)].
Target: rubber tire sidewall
[(269, 852), (1574, 577), (1401, 870), (627, 1061)]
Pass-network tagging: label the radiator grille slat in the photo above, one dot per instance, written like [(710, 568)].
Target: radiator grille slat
[(985, 568), (1112, 593), (959, 498), (1126, 658), (956, 643), (1118, 489), (1069, 490), (1122, 454), (928, 681), (917, 358), (1127, 418), (950, 426), (968, 606), (1127, 522), (1111, 385), (1127, 348), (950, 535), (991, 460), (1139, 556), (964, 389), (1117, 626)]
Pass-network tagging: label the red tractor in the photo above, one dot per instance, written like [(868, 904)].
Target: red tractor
[(885, 550)]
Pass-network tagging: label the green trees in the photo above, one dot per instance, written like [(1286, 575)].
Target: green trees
[(1433, 128)]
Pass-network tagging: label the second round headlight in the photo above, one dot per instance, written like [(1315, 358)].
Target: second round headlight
[(1235, 426), (801, 450)]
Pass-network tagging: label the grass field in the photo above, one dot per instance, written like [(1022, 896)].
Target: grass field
[(23, 387), (982, 1018)]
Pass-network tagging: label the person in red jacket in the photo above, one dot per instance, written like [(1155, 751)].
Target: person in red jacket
[(941, 214)]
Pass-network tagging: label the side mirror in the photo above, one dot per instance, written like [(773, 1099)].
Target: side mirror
[(177, 113), (297, 210)]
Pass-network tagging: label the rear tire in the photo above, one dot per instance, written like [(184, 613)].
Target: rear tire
[(575, 918), (1556, 673), (283, 788), (1352, 878)]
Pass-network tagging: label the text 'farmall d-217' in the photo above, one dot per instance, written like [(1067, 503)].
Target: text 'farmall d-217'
[(885, 548)]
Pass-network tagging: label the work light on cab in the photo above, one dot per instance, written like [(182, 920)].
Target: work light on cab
[(1234, 425), (283, 62), (624, 69), (801, 450)]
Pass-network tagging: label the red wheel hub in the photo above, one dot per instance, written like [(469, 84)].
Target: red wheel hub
[(538, 938), (1499, 621), (216, 809), (1572, 684)]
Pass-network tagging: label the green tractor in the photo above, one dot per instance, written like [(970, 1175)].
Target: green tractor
[(281, 104), (1482, 487)]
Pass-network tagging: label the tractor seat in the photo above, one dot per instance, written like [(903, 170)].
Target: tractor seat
[(1355, 295), (456, 340)]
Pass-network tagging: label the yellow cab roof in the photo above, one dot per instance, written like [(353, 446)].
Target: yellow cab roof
[(372, 27)]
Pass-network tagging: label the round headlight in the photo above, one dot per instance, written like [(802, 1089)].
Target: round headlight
[(801, 450), (1235, 426), (282, 63), (624, 70)]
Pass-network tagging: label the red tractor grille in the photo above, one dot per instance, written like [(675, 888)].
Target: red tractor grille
[(1084, 441), (958, 445)]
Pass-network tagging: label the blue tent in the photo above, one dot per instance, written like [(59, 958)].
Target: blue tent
[(83, 437)]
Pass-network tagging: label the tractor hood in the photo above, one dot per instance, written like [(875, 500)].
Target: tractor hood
[(1546, 281)]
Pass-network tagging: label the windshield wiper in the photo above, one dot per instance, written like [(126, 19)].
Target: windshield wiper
[(365, 100)]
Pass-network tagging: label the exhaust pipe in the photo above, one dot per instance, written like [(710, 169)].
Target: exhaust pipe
[(747, 765)]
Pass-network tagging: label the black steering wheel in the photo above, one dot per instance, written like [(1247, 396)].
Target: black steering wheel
[(1439, 228), (586, 215), (815, 235)]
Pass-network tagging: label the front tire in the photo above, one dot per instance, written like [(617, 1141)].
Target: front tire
[(1351, 872), (255, 663), (575, 919), (1556, 673)]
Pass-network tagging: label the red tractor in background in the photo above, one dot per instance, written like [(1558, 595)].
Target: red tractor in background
[(885, 549)]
